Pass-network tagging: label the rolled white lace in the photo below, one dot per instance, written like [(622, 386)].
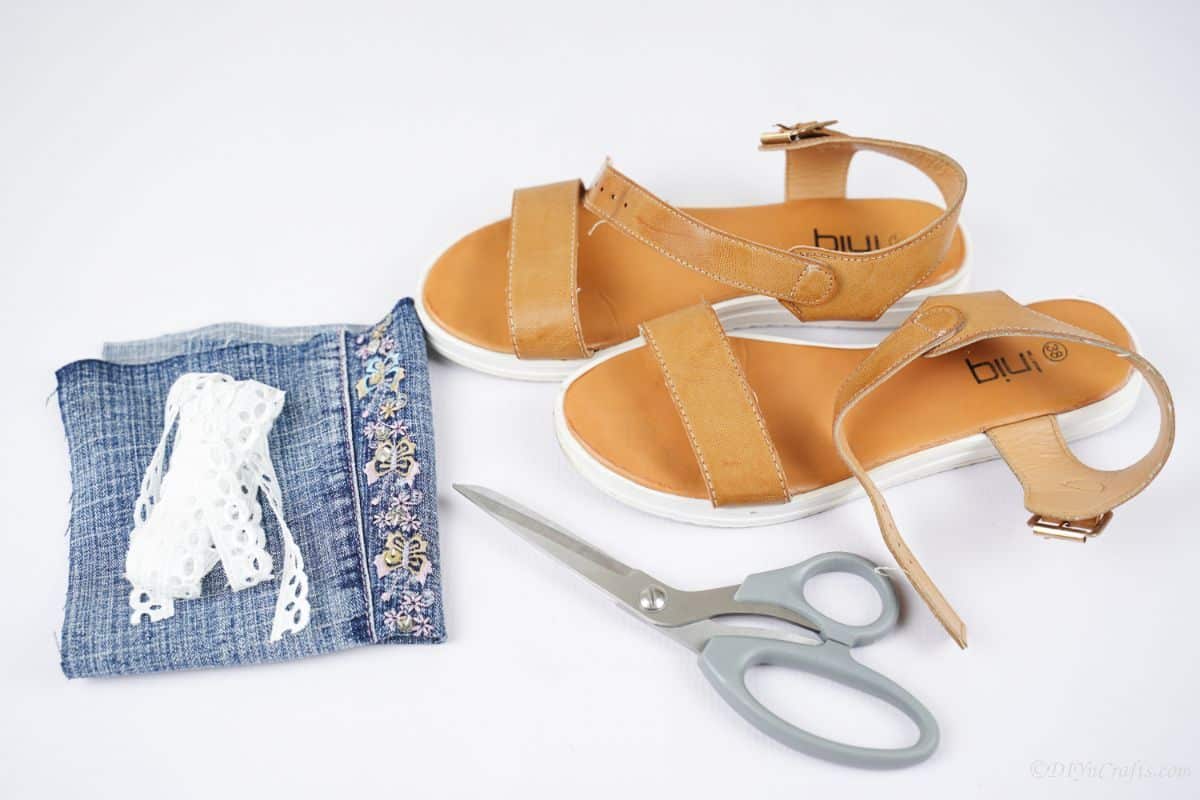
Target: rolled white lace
[(205, 509)]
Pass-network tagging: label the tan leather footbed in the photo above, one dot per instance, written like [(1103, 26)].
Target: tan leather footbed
[(621, 411), (623, 282)]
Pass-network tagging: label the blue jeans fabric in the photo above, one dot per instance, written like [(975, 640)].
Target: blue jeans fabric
[(353, 449)]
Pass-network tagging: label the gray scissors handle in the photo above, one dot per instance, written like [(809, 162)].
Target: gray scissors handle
[(726, 659), (785, 587)]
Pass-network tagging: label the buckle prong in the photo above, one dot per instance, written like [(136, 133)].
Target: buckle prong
[(1079, 530)]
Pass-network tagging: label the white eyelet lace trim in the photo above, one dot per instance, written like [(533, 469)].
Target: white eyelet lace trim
[(205, 509)]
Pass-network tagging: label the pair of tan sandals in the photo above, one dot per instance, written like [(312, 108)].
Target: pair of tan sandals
[(629, 299)]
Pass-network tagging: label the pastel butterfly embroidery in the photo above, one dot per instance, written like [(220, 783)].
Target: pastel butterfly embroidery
[(397, 457), (381, 369), (405, 552)]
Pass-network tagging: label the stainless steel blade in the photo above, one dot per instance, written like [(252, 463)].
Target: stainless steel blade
[(602, 570)]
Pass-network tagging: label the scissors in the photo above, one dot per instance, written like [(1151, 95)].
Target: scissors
[(726, 651)]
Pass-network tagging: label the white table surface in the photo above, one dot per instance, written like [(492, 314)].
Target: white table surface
[(164, 167)]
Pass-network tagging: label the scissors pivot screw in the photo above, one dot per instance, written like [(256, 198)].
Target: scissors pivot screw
[(653, 598)]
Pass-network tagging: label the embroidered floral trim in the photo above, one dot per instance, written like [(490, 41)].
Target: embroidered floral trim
[(403, 561), (409, 614)]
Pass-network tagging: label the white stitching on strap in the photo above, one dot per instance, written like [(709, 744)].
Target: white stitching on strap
[(574, 282), (512, 257), (744, 384), (687, 423)]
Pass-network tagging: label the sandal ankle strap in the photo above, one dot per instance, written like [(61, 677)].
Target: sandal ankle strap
[(1068, 499), (814, 283)]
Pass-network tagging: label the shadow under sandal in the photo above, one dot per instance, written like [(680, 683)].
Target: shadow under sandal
[(530, 297), (693, 425)]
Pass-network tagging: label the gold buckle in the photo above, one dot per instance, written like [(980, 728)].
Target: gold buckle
[(794, 133), (1079, 530)]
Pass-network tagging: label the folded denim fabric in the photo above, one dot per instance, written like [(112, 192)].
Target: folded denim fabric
[(353, 451)]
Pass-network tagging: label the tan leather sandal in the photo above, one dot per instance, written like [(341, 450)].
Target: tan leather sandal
[(690, 424), (535, 295)]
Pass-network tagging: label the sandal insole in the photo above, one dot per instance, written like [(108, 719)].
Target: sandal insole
[(621, 411), (623, 282)]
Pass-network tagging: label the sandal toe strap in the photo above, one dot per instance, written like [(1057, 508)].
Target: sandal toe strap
[(717, 407), (543, 298)]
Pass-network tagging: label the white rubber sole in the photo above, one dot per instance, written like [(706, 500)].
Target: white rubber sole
[(755, 311), (1086, 421)]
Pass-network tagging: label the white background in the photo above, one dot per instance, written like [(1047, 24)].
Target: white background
[(165, 166)]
